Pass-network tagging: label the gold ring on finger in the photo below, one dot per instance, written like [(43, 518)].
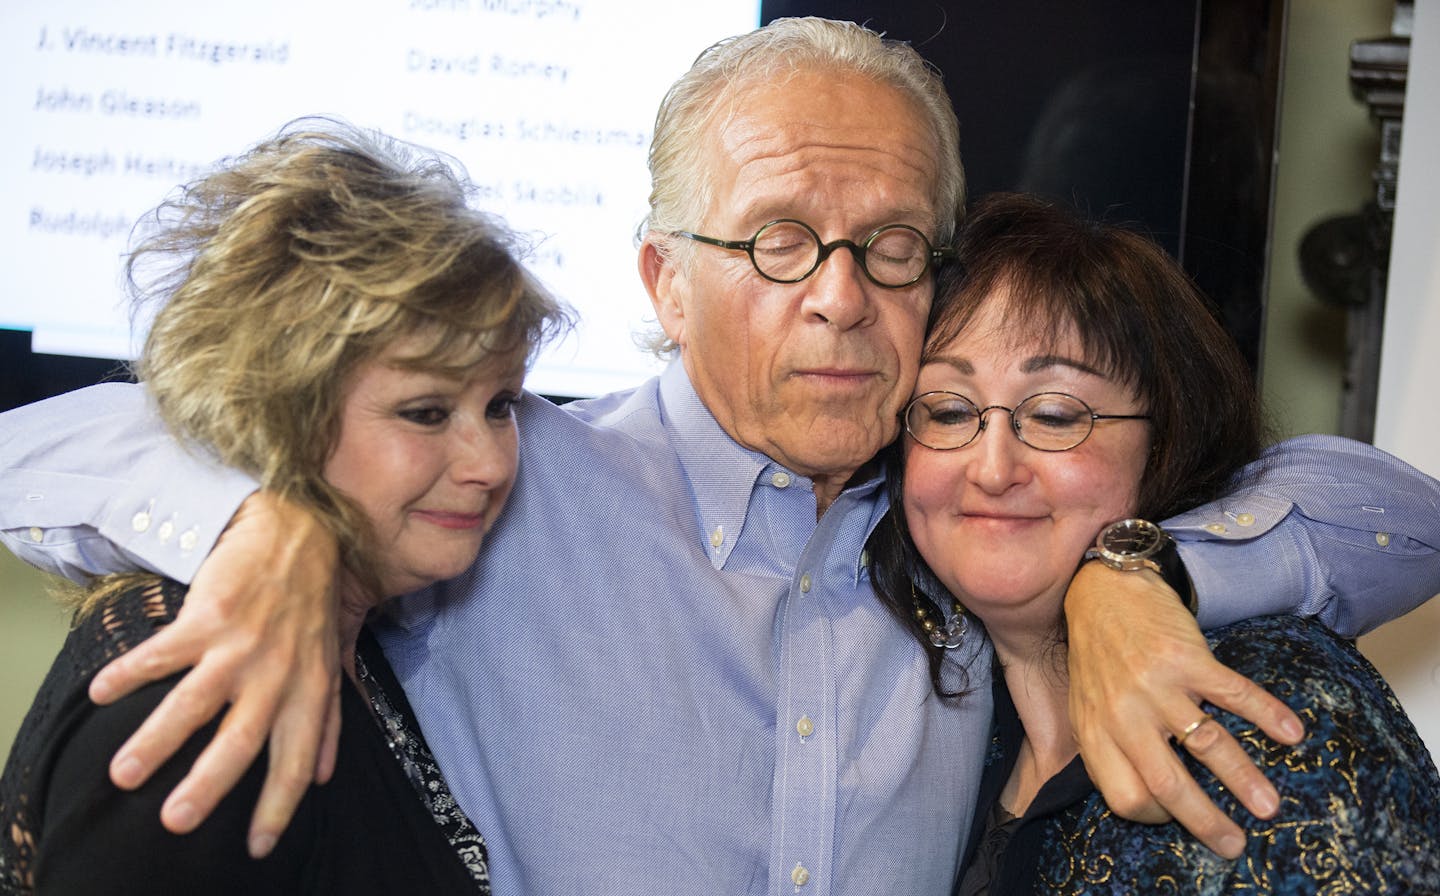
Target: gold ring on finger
[(1191, 728)]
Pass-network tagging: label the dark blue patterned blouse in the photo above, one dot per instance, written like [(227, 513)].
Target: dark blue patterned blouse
[(1359, 797)]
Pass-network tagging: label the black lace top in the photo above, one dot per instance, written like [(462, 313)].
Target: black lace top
[(1358, 795), (386, 823)]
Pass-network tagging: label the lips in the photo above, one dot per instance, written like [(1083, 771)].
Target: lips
[(1001, 514), (835, 370), (1001, 522), (446, 519), (837, 378)]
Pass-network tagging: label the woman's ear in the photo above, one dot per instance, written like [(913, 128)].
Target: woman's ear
[(667, 286)]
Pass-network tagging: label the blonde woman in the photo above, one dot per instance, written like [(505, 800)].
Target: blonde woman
[(335, 320)]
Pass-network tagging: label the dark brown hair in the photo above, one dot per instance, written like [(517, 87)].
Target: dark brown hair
[(1139, 318)]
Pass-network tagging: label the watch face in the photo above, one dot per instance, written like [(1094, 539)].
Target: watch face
[(1133, 538)]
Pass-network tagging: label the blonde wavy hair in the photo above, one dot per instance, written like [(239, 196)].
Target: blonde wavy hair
[(276, 275), (680, 185)]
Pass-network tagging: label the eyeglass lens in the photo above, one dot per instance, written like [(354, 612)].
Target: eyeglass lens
[(788, 251), (1050, 421)]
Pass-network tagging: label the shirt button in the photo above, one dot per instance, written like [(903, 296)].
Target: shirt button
[(189, 540), (805, 583), (801, 875), (1217, 528), (864, 559), (805, 726), (140, 521), (780, 480), (37, 534), (717, 537), (1382, 539), (1245, 519), (166, 529)]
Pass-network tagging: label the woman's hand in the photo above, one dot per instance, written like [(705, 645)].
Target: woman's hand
[(1139, 669), (258, 630)]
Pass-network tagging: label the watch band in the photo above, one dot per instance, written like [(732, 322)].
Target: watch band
[(1172, 570), (1160, 554)]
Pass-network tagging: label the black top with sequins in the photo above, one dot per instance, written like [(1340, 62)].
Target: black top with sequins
[(386, 822)]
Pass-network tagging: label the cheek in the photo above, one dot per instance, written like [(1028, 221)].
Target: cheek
[(907, 342), (377, 470), (754, 336), (510, 447), (931, 485), (1133, 460), (719, 305), (730, 334), (349, 464), (910, 313), (1105, 488)]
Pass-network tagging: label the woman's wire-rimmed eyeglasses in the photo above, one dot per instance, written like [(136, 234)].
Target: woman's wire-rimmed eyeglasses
[(1048, 421)]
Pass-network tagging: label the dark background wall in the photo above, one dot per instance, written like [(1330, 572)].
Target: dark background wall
[(1087, 101), (1159, 115)]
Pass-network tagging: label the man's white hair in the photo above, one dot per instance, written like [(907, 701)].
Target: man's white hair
[(680, 186)]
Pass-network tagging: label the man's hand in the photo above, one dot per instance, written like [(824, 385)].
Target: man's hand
[(259, 629), (1139, 668)]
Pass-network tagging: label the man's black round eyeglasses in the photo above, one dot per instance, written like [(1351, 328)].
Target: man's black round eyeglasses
[(788, 251)]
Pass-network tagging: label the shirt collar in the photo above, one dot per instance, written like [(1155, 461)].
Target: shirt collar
[(723, 473)]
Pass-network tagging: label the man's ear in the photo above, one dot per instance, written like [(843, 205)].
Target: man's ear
[(667, 287)]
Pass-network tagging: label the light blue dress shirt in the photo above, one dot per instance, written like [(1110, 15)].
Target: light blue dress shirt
[(663, 675)]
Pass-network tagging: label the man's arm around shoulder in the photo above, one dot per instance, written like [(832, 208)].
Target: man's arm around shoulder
[(91, 482)]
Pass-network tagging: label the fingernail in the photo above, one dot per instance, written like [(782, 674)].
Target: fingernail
[(1231, 845), (100, 689), (1265, 803), (182, 817), (260, 845), (126, 773), (1292, 729)]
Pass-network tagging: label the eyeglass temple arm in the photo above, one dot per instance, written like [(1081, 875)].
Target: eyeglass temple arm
[(743, 245)]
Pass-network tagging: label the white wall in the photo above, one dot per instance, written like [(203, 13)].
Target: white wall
[(1407, 422)]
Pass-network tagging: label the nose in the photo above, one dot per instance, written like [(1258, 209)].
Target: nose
[(997, 456), (838, 293), (484, 453)]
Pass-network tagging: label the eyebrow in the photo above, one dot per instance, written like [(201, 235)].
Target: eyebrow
[(1030, 365), (1041, 362), (960, 365), (764, 213)]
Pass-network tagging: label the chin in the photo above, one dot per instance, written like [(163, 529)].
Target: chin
[(452, 567), (848, 454), (997, 587)]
